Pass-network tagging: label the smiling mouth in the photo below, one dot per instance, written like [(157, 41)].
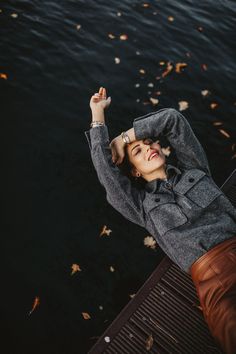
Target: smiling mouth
[(155, 154)]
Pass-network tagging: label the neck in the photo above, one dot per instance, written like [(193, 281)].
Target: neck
[(160, 174)]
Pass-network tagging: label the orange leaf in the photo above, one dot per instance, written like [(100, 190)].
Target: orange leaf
[(3, 76), (35, 304), (105, 231), (179, 66), (86, 316), (213, 105), (75, 268), (168, 69)]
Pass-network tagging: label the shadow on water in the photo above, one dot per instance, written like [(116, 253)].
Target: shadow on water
[(54, 206)]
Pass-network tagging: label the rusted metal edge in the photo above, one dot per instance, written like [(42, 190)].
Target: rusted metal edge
[(132, 305)]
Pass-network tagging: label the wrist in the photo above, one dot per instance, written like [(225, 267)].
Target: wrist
[(98, 115)]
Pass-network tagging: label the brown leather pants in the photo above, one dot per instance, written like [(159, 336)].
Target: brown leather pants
[(214, 276)]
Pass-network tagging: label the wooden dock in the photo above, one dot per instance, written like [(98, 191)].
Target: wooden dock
[(164, 316)]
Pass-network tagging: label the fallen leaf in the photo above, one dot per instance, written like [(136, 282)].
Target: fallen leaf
[(183, 105), (150, 84), (168, 69), (170, 18), (107, 339), (204, 67), (137, 85), (78, 27), (142, 71), (150, 242), (158, 93), (205, 93), (149, 342), (145, 5), (217, 123), (119, 13), (117, 60), (105, 231), (14, 15), (110, 35), (3, 76), (137, 52), (100, 308), (86, 315), (154, 100), (200, 29), (132, 295), (112, 269), (179, 66), (123, 37), (213, 105), (35, 304), (162, 63), (224, 133), (75, 268)]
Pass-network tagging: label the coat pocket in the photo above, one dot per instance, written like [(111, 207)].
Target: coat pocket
[(165, 214), (198, 187)]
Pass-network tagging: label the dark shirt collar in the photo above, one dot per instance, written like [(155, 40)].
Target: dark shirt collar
[(171, 171)]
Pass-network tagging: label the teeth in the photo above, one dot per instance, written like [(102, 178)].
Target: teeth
[(156, 153)]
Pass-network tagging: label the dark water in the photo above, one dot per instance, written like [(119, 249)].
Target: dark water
[(54, 206)]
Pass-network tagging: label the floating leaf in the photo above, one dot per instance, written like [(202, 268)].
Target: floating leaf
[(3, 76), (213, 105), (170, 18), (150, 84), (78, 27), (149, 342), (119, 13), (110, 35), (117, 60), (75, 268), (150, 242), (86, 315), (217, 123), (14, 15), (205, 93), (112, 269), (100, 307), (204, 67), (123, 37), (224, 133), (35, 304), (179, 66), (145, 5), (168, 69), (105, 231), (137, 85), (142, 71), (162, 63), (183, 105), (154, 101)]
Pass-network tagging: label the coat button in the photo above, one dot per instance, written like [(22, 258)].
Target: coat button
[(191, 179), (168, 185), (157, 199)]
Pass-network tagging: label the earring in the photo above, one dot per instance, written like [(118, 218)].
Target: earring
[(138, 174)]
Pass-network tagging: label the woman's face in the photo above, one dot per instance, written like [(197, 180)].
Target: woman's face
[(146, 156)]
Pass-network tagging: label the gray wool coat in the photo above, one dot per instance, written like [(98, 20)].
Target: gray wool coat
[(188, 214)]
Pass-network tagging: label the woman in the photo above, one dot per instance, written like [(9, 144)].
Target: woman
[(181, 206)]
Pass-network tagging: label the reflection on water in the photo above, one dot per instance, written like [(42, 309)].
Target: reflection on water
[(54, 56)]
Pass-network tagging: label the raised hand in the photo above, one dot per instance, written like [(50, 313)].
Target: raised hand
[(99, 100)]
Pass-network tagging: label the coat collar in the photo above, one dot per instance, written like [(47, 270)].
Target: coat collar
[(171, 171)]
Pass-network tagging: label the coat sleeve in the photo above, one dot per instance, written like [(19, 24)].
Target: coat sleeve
[(120, 192), (175, 127)]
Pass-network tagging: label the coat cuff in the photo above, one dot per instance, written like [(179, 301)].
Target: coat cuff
[(97, 135)]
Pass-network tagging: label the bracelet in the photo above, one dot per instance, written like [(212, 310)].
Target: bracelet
[(96, 123), (125, 137)]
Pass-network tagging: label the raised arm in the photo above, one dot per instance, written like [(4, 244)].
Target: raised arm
[(120, 193), (175, 127)]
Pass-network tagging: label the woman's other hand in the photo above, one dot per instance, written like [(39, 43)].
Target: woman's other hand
[(117, 146), (99, 100)]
